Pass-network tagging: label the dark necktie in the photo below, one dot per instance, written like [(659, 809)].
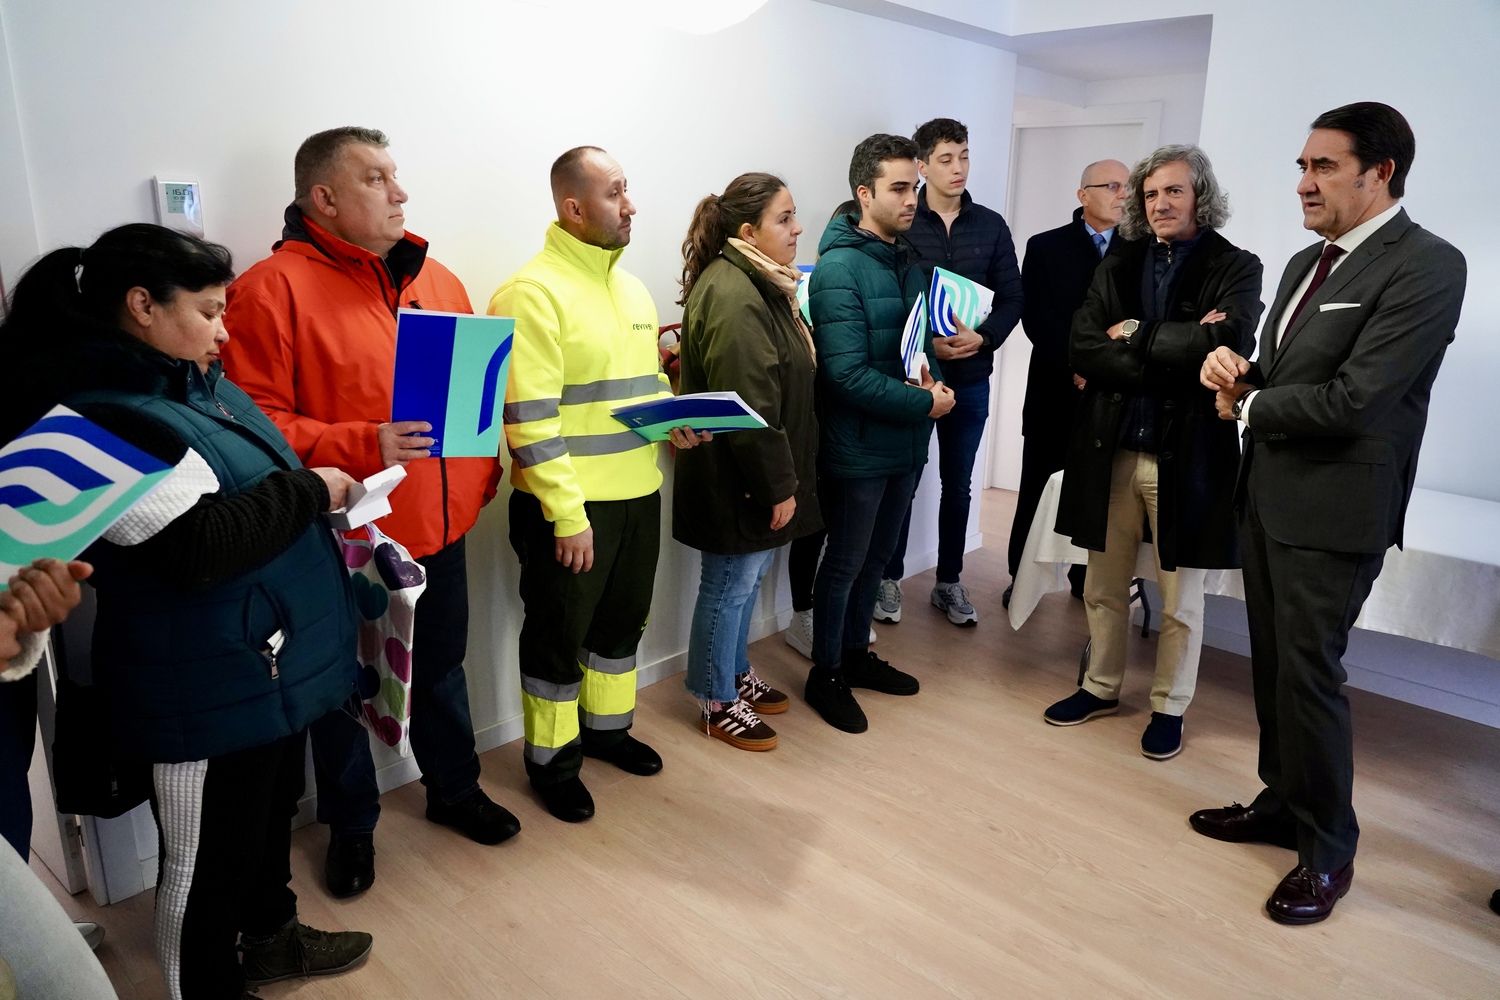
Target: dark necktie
[(1325, 264), (1101, 243)]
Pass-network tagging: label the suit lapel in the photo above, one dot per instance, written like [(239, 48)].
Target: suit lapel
[(1295, 269), (1373, 247)]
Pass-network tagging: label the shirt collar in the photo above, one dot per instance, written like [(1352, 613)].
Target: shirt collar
[(1351, 240), (1108, 234)]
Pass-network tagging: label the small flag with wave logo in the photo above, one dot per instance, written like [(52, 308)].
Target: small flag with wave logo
[(451, 370), (62, 484), (954, 295)]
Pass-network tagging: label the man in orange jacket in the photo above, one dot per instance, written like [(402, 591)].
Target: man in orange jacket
[(313, 341)]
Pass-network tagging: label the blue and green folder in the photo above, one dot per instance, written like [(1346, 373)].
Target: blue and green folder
[(63, 483), (954, 295), (702, 411), (451, 371)]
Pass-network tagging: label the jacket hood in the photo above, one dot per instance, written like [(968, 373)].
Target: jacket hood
[(46, 374), (404, 262), (843, 231)]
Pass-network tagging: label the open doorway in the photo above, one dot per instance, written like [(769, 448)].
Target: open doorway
[(1047, 157)]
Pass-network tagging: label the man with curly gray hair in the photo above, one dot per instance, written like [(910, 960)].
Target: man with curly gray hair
[(1147, 446)]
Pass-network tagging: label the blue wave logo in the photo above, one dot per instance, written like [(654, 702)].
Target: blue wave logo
[(62, 484)]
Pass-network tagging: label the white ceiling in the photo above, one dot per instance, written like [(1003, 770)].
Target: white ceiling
[(1111, 52), (1105, 52)]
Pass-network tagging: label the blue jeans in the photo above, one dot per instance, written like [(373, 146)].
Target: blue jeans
[(958, 434), (727, 587), (442, 735), (863, 518)]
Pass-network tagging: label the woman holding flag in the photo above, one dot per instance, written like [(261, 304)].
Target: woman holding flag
[(225, 620)]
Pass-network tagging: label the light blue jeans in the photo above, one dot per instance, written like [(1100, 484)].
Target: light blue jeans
[(721, 622)]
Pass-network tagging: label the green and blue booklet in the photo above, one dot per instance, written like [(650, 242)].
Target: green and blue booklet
[(953, 295), (702, 411), (63, 483), (451, 371)]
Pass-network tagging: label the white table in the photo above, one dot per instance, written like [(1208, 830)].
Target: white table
[(1443, 588)]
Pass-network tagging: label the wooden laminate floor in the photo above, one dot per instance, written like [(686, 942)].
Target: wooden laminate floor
[(960, 848)]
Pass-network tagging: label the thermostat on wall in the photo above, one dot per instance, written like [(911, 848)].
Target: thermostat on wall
[(179, 205)]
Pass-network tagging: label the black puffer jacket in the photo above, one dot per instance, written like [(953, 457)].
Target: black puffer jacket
[(979, 247)]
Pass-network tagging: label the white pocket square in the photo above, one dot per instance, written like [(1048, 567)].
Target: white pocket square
[(1331, 306)]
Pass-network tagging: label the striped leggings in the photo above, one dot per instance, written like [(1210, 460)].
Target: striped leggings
[(225, 855)]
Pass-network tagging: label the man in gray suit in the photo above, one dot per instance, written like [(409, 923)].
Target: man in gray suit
[(1334, 411)]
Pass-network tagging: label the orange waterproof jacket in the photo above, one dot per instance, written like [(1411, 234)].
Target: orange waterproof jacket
[(313, 341)]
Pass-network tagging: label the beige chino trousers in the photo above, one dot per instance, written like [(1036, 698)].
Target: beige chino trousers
[(1106, 595)]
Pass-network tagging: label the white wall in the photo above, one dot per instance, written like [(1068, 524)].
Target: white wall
[(478, 98), (1273, 67)]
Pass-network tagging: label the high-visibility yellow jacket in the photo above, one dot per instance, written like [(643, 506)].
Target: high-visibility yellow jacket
[(585, 343)]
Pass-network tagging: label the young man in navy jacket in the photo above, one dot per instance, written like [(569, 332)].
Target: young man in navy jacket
[(954, 232)]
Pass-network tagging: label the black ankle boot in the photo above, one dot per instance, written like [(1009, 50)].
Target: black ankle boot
[(567, 800), (828, 693)]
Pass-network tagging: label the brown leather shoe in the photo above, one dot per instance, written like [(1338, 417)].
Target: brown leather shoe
[(1246, 824), (1306, 896)]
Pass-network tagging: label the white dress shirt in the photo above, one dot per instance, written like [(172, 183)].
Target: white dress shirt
[(1349, 242)]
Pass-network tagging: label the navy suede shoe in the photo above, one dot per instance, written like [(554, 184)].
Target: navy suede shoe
[(1079, 707), (1163, 736)]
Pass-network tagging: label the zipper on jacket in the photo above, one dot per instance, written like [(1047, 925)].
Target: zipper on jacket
[(443, 468), (271, 650)]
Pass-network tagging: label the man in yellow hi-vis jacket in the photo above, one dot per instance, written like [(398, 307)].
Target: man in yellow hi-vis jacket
[(585, 518)]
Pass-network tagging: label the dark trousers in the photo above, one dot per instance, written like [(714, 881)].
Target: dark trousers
[(17, 742), (442, 732), (226, 869), (1302, 603), (802, 568), (579, 639), (864, 520), (958, 432)]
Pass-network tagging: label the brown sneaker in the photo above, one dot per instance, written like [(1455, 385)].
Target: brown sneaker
[(762, 697), (739, 726)]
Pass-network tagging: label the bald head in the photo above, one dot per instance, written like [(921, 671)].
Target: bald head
[(568, 170), (589, 191), (1101, 192)]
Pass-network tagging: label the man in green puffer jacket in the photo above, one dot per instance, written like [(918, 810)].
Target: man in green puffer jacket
[(875, 423)]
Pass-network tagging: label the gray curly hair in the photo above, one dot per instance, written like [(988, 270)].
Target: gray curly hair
[(1211, 199)]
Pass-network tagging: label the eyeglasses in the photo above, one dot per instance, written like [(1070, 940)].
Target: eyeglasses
[(1114, 186)]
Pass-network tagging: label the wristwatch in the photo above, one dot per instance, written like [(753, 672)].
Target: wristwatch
[(1239, 406), (1128, 328)]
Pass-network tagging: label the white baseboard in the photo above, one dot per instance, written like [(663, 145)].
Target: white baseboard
[(1452, 681), (403, 771)]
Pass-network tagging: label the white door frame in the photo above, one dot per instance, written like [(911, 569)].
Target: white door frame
[(1146, 114)]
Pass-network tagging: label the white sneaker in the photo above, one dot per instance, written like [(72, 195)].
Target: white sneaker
[(799, 632), (888, 601), (953, 599), (93, 934)]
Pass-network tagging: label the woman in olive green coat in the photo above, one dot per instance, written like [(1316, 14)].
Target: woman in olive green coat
[(743, 495)]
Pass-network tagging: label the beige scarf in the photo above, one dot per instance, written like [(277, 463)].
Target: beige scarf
[(784, 277)]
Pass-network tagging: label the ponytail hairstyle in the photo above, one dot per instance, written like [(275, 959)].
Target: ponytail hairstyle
[(77, 292), (720, 216)]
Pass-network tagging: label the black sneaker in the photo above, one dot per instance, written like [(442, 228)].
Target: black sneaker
[(349, 868), (1079, 707), (1163, 736), (828, 694), (566, 800), (297, 951), (629, 754), (866, 670), (476, 817)]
